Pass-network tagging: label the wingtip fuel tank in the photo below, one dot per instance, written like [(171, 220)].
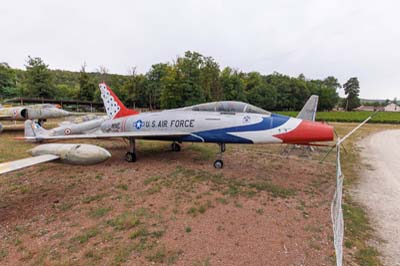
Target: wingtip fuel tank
[(83, 154)]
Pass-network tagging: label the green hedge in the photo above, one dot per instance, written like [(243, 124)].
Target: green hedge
[(359, 116)]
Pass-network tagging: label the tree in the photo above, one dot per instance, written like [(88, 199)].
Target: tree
[(38, 79), (232, 85), (171, 94), (332, 82), (352, 90), (299, 93), (259, 92), (327, 91), (103, 71), (156, 83), (328, 98), (210, 80), (87, 86), (188, 71), (135, 89), (7, 81), (282, 86)]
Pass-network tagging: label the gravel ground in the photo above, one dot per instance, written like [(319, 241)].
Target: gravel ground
[(379, 189), (169, 208)]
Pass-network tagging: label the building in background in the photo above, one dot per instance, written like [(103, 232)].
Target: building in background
[(392, 107), (371, 108)]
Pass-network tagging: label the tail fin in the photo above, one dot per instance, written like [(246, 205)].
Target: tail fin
[(114, 107), (309, 109), (33, 129)]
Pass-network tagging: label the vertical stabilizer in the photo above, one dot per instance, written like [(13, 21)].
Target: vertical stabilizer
[(309, 110), (113, 106), (33, 129)]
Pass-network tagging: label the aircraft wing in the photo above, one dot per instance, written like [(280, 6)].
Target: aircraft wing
[(19, 164), (142, 134)]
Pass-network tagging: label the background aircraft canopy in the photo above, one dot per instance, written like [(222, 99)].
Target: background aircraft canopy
[(227, 106)]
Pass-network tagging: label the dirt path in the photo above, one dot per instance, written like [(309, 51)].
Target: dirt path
[(379, 189)]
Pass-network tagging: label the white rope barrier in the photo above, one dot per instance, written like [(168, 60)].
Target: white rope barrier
[(336, 205), (337, 211)]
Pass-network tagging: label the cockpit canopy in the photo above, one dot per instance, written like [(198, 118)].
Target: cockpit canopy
[(227, 107)]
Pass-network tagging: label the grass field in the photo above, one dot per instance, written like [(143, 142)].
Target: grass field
[(381, 117)]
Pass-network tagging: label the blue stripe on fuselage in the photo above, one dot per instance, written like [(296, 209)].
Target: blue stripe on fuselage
[(222, 134)]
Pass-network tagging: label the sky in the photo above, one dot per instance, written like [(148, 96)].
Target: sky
[(317, 38)]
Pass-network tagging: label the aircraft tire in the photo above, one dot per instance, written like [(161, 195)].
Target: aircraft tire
[(130, 157), (175, 147), (218, 164)]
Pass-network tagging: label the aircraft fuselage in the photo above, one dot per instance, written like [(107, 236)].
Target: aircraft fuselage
[(220, 127), (41, 111)]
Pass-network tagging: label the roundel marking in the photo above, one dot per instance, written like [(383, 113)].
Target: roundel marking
[(138, 124)]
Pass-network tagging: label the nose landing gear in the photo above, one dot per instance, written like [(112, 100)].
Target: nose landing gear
[(219, 164)]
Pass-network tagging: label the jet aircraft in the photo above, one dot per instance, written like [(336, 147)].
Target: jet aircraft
[(223, 122), (39, 112), (65, 128)]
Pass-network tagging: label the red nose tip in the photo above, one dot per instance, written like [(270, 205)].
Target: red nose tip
[(307, 132)]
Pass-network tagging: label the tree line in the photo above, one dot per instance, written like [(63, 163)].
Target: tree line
[(190, 79)]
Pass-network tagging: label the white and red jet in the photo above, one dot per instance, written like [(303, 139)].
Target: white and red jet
[(216, 122)]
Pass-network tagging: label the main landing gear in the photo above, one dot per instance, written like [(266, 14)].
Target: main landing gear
[(130, 156), (219, 164), (175, 147)]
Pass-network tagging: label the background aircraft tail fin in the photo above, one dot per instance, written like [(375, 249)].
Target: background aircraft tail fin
[(113, 106), (33, 129), (309, 109)]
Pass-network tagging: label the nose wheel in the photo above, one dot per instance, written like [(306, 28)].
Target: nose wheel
[(219, 164)]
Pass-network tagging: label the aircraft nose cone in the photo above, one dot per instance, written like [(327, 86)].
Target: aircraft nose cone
[(307, 132), (63, 112)]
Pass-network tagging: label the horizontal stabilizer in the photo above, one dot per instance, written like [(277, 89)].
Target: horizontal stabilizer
[(19, 164)]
